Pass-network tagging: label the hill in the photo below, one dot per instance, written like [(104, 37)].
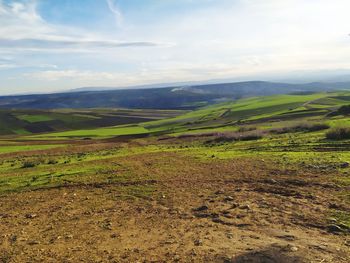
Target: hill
[(24, 122), (253, 180), (266, 111), (183, 97)]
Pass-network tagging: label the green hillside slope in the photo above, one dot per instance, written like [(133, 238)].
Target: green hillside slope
[(266, 112)]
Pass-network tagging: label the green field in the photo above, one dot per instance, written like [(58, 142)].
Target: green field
[(266, 112), (25, 122)]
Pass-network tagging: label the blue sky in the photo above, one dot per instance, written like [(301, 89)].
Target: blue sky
[(53, 45)]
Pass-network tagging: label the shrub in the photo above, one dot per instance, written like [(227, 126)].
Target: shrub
[(339, 133), (28, 164), (246, 129), (344, 110), (198, 135), (302, 127), (51, 161), (238, 136)]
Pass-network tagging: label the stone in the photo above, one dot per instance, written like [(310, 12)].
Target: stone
[(334, 229), (201, 208), (33, 242), (30, 216), (198, 242), (228, 199), (245, 207), (271, 181)]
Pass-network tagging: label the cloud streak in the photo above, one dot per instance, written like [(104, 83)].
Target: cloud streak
[(116, 11), (38, 44), (22, 28)]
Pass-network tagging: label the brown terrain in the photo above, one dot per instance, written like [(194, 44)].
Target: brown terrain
[(183, 209)]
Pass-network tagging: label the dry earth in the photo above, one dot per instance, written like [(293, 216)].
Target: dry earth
[(241, 210)]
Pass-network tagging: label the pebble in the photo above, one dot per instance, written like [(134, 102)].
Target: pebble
[(229, 235), (33, 242), (228, 198), (198, 242), (334, 229), (201, 208), (245, 207), (30, 216)]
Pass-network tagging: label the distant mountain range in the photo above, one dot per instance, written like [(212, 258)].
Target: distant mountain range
[(172, 97)]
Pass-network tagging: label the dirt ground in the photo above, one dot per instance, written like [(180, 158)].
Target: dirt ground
[(241, 210)]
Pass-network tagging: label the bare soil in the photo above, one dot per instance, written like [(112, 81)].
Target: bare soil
[(241, 210)]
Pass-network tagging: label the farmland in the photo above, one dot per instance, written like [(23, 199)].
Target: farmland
[(242, 181), (24, 122)]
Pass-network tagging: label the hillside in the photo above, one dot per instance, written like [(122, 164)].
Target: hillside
[(24, 122), (254, 180), (188, 97), (268, 111)]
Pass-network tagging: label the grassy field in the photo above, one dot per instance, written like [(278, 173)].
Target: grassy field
[(267, 112), (25, 122), (256, 178)]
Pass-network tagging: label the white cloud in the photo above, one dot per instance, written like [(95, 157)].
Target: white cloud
[(22, 28)]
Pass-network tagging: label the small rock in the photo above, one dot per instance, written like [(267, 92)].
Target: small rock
[(169, 241), (334, 229), (333, 206), (245, 207), (294, 249), (333, 220), (343, 226), (219, 192), (13, 238), (228, 259), (287, 237), (177, 258), (271, 181), (228, 199), (30, 216), (234, 206), (229, 235), (198, 242), (33, 242), (201, 208), (290, 248)]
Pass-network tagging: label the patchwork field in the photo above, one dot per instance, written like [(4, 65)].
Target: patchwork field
[(255, 180), (25, 122)]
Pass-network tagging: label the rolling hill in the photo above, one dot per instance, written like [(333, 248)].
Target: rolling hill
[(267, 112), (183, 97), (24, 122)]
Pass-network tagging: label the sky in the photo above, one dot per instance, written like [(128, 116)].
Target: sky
[(55, 45)]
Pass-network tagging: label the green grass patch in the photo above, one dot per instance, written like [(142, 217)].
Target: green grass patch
[(34, 118), (24, 148)]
